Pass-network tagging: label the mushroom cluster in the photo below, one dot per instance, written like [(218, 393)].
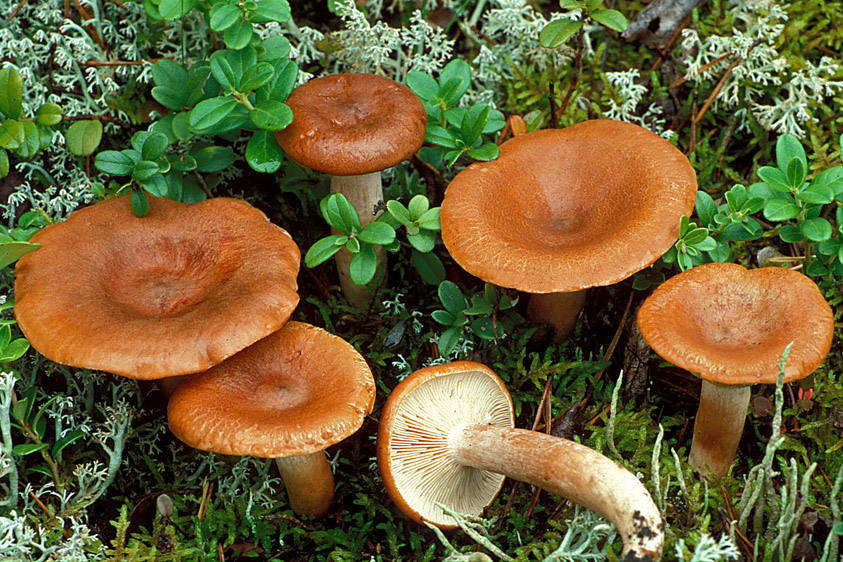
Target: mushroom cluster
[(730, 326), (204, 290), (561, 210), (353, 126)]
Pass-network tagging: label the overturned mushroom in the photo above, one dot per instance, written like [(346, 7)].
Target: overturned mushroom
[(446, 437), (288, 397), (729, 326), (172, 293), (566, 209)]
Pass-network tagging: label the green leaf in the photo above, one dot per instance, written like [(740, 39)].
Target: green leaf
[(222, 71), (353, 245), (4, 163), (445, 318), (224, 15), (474, 122), (781, 209), (212, 158), (68, 438), (83, 137), (274, 47), (140, 204), (209, 112), (256, 76), (169, 98), (436, 134), (423, 240), (282, 83), (11, 134), (485, 328), (796, 173), (818, 193), (363, 264), (49, 114), (791, 234), (271, 115), (452, 298), (377, 233), (238, 35), (774, 178), (324, 249), (695, 236), (398, 211), (429, 266), (788, 147), (169, 74), (156, 185), (14, 350), (458, 73), (488, 151), (182, 162), (175, 9), (194, 88), (5, 337), (418, 206), (31, 141), (557, 32), (181, 125), (706, 208), (424, 86), (430, 220), (27, 448), (341, 215), (144, 170), (263, 153), (612, 19), (11, 92), (448, 340), (114, 163), (154, 146), (272, 10), (816, 230)]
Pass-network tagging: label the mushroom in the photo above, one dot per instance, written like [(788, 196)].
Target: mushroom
[(288, 397), (729, 326), (172, 293), (562, 210), (446, 436), (353, 126)]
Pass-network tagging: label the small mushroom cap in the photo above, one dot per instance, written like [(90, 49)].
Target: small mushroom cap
[(413, 439), (566, 209), (295, 392), (730, 325), (171, 293), (353, 124)]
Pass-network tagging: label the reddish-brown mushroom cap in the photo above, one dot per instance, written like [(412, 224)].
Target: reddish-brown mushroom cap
[(171, 293), (353, 124), (297, 391), (730, 325), (566, 209)]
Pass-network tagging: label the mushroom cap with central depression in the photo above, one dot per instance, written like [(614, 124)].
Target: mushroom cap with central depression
[(730, 325), (413, 454), (295, 392), (561, 210), (353, 124), (171, 293)]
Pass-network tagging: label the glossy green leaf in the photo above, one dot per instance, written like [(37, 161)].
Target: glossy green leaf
[(791, 234), (377, 232), (706, 208), (83, 137), (144, 170), (223, 72), (452, 298), (774, 178), (49, 114), (474, 122), (363, 265), (558, 32), (796, 173), (484, 153), (781, 209), (175, 9), (11, 251), (274, 47), (418, 206), (238, 35), (341, 215), (485, 328), (156, 185), (66, 440), (263, 153), (31, 140), (209, 112), (256, 76), (324, 249), (457, 77), (272, 10), (11, 92), (181, 125), (448, 341), (140, 204), (424, 86), (429, 220), (212, 158), (114, 163), (14, 351), (224, 15), (436, 134), (271, 115), (28, 448), (11, 134), (282, 82), (695, 236), (817, 192), (612, 19), (423, 240), (816, 230), (154, 146), (182, 162), (445, 318), (4, 163), (169, 98), (193, 89), (398, 211), (169, 74), (788, 147)]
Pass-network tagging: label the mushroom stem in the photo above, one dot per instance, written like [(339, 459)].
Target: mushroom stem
[(560, 310), (365, 193), (309, 482), (718, 427), (570, 470)]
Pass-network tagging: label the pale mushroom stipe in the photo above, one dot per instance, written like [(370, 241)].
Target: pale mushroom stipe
[(561, 210), (446, 436), (729, 326), (353, 126)]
